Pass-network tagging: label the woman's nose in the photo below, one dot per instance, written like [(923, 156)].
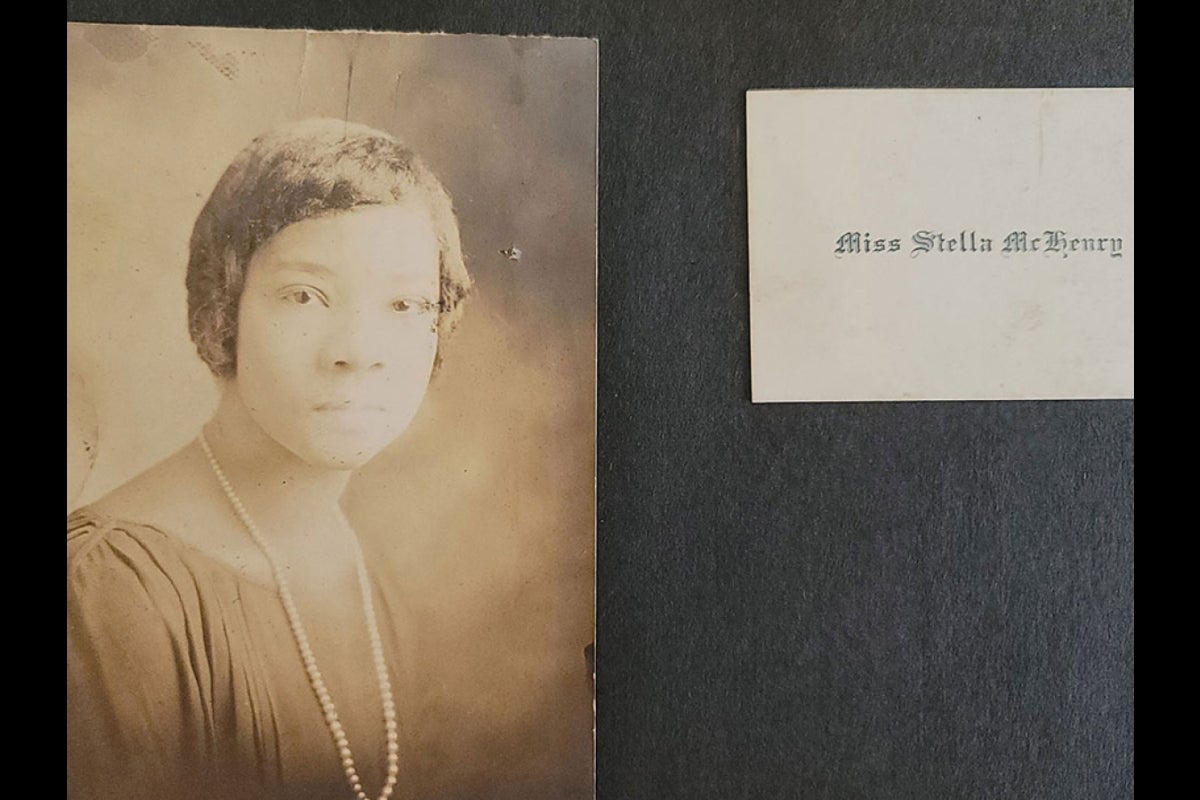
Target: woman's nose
[(355, 343)]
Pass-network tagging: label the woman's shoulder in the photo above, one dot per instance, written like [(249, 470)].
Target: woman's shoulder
[(119, 567), (90, 526), (95, 538), (130, 557), (161, 525)]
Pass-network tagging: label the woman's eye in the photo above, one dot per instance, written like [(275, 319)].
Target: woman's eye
[(413, 305), (304, 297)]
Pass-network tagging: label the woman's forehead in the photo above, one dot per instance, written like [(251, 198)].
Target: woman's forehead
[(383, 242)]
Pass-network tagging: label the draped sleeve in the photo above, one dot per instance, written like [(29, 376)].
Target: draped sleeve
[(184, 680), (138, 668)]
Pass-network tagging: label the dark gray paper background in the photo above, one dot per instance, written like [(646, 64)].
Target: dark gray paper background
[(815, 601)]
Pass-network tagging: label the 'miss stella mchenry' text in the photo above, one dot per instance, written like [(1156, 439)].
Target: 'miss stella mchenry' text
[(1048, 243)]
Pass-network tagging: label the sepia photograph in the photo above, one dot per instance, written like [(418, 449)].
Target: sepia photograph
[(331, 369)]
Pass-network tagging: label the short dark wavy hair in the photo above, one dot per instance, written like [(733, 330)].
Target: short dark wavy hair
[(291, 173)]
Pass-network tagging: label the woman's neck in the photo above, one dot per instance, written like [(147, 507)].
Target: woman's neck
[(280, 490)]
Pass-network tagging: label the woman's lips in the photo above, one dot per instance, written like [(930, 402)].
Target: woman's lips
[(347, 407)]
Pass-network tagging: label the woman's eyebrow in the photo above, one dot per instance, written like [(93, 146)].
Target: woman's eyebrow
[(399, 273), (302, 266)]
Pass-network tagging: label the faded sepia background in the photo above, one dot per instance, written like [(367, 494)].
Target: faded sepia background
[(485, 507)]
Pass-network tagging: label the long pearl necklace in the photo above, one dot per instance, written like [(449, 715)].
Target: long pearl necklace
[(306, 653)]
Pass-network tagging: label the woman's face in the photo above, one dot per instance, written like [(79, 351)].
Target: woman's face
[(337, 331)]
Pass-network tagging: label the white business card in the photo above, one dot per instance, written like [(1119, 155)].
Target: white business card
[(940, 244)]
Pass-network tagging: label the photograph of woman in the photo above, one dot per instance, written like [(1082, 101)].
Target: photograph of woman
[(330, 454)]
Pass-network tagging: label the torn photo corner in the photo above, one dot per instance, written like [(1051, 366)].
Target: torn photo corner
[(940, 244)]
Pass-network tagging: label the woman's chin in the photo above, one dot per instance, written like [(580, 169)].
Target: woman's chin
[(340, 455), (340, 440)]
